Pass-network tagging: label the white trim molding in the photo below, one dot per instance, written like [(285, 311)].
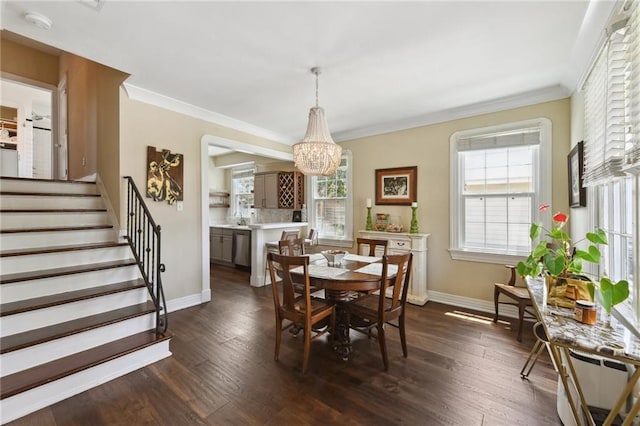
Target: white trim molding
[(153, 98)]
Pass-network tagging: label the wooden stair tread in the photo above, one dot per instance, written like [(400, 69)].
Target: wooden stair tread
[(25, 179), (46, 373), (55, 229), (47, 194), (23, 340), (57, 249), (102, 210), (26, 305), (69, 270)]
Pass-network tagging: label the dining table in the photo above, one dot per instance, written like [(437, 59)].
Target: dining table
[(341, 283)]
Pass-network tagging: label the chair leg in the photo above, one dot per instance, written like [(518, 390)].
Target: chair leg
[(496, 297), (307, 348), (278, 337), (521, 308), (403, 336), (383, 346)]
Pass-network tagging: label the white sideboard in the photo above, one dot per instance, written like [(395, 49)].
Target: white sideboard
[(399, 243)]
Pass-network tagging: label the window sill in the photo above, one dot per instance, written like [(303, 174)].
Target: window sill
[(486, 257), (335, 242)]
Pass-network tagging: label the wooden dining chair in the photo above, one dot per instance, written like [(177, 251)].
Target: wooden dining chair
[(273, 246), (373, 244), (378, 310), (292, 247), (302, 312), (518, 295)]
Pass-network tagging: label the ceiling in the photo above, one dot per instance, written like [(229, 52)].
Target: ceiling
[(385, 65)]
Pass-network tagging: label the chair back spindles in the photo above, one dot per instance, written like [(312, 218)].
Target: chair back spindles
[(373, 244)]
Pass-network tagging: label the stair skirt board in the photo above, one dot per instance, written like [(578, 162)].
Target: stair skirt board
[(18, 202), (56, 238), (15, 264), (25, 321), (21, 290), (57, 187), (11, 220), (27, 402), (21, 359)]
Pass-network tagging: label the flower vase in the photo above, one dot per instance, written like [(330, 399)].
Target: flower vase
[(369, 226), (414, 221)]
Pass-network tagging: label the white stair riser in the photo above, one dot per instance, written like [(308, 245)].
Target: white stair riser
[(13, 292), (26, 240), (19, 360), (46, 220), (14, 264), (45, 317), (15, 202), (20, 185), (27, 402)]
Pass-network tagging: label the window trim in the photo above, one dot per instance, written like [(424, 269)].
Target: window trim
[(347, 241), (542, 190)]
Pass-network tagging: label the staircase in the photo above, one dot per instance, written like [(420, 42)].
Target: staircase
[(75, 310)]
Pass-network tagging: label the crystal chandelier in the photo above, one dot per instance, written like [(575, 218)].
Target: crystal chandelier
[(317, 154)]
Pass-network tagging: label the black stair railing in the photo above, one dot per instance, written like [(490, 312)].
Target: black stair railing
[(143, 236)]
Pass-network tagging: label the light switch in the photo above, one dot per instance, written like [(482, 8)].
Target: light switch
[(179, 206)]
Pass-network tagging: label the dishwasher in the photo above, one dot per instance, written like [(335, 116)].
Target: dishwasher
[(242, 248)]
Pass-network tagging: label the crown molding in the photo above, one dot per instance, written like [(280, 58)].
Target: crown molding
[(533, 97), (153, 98)]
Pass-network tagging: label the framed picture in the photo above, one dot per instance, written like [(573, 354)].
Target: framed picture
[(396, 186), (575, 163)]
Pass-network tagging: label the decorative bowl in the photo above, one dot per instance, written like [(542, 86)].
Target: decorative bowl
[(334, 257)]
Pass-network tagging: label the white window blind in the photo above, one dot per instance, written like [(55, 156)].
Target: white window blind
[(610, 106), (632, 87)]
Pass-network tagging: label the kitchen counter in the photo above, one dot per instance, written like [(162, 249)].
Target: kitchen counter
[(261, 233)]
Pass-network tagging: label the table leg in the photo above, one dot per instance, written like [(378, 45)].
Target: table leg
[(341, 339)]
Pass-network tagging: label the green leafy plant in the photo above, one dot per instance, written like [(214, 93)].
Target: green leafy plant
[(558, 255)]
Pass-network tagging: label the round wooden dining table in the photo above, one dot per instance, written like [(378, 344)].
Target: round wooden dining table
[(340, 282)]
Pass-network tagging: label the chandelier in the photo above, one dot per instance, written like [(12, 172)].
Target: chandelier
[(317, 154)]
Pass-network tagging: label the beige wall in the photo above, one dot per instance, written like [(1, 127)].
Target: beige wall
[(28, 62), (142, 125), (428, 148)]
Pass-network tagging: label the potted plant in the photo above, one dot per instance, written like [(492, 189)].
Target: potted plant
[(561, 260)]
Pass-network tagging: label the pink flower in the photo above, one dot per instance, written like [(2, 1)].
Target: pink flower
[(543, 207), (560, 217)]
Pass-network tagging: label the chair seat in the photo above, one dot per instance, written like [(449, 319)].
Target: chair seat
[(516, 292), (317, 306), (367, 305)]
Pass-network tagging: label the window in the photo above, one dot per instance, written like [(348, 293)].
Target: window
[(612, 151), (242, 192), (330, 205), (498, 180)]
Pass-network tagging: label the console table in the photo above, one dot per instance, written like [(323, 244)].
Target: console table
[(400, 243), (611, 341)]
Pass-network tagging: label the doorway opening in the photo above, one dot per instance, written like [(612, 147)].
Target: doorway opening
[(27, 130)]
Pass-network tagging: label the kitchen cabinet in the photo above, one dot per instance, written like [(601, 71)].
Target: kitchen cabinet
[(221, 245), (265, 190), (401, 243), (278, 190), (290, 190)]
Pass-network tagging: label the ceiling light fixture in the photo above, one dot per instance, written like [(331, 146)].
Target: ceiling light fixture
[(317, 154), (38, 19)]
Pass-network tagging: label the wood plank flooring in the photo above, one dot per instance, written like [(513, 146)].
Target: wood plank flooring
[(462, 369)]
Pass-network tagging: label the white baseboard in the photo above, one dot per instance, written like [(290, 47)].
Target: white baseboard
[(474, 304), (187, 301)]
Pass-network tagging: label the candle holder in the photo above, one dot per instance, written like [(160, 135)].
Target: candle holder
[(414, 221), (369, 226)]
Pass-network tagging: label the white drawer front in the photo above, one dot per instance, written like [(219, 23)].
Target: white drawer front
[(399, 245)]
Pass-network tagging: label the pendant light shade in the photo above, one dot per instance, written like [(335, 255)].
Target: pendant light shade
[(317, 154)]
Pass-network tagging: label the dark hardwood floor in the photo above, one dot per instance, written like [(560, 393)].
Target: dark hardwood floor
[(462, 369)]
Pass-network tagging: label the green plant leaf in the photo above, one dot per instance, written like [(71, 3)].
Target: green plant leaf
[(554, 264), (598, 237), (593, 255), (612, 294), (539, 251), (534, 231), (575, 265)]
